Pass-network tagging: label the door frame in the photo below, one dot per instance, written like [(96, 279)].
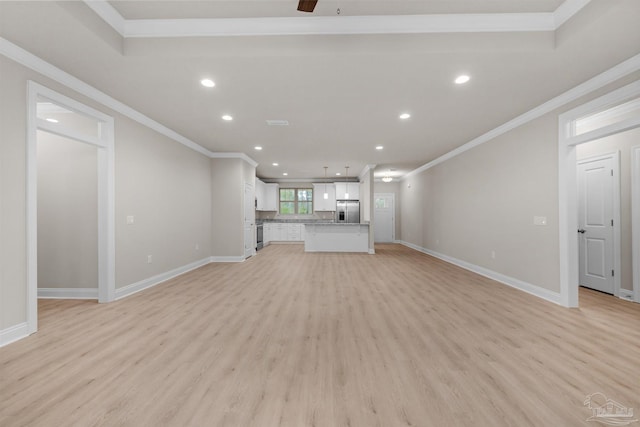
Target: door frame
[(635, 219), (104, 142), (248, 225), (617, 237), (393, 213), (567, 179)]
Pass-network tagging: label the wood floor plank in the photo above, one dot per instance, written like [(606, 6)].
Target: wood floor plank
[(290, 338)]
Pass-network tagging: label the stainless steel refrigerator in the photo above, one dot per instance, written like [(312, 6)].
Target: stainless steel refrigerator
[(348, 211)]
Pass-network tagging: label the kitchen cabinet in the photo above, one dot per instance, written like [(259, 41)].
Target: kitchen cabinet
[(266, 196), (353, 188), (259, 195), (266, 233), (320, 204), (282, 232)]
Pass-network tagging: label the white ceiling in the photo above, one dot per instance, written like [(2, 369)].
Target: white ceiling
[(341, 93)]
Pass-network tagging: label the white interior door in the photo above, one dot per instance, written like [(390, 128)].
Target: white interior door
[(249, 220), (384, 217), (595, 222)]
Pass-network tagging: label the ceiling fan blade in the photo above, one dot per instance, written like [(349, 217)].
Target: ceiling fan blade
[(307, 5)]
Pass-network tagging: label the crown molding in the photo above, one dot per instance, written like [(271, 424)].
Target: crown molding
[(234, 156), (617, 72), (366, 169), (566, 11), (333, 25), (29, 60)]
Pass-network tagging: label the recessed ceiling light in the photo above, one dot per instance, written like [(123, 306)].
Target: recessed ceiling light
[(462, 79), (337, 173), (207, 83), (284, 173), (274, 164), (273, 122), (51, 120), (379, 147), (227, 117), (257, 147), (405, 116)]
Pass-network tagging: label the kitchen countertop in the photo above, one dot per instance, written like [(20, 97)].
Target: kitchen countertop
[(296, 221)]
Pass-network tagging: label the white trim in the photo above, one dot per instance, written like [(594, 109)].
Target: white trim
[(108, 13), (626, 295), (567, 183), (617, 238), (106, 196), (529, 288), (364, 171), (615, 73), (14, 333), (33, 62), (68, 293), (635, 219), (133, 288), (338, 25), (234, 156), (323, 25), (567, 10), (230, 258)]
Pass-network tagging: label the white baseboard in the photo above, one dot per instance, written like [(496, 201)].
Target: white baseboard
[(227, 259), (155, 280), (626, 294), (537, 291), (68, 293), (14, 333)]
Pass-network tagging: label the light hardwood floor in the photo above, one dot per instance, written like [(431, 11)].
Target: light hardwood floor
[(294, 339)]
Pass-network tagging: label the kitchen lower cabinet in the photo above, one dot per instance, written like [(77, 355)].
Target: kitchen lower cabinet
[(283, 232)]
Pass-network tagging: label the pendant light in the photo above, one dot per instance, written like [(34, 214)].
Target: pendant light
[(346, 181), (387, 177), (325, 195)]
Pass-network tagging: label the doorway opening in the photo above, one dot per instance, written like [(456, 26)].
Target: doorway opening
[(63, 121), (612, 114), (67, 216)]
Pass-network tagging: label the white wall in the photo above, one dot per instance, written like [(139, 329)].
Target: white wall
[(67, 213), (13, 274), (163, 184), (227, 218), (484, 201)]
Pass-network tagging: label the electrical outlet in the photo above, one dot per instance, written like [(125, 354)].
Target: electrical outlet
[(539, 220), (493, 254), (149, 259), (197, 247)]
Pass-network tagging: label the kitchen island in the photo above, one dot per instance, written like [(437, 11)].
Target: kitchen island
[(336, 237)]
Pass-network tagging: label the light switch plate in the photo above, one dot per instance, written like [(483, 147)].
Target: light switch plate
[(539, 220), (129, 219)]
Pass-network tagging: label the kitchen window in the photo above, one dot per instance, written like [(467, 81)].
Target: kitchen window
[(296, 201)]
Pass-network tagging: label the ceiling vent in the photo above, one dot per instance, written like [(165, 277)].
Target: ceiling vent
[(278, 122)]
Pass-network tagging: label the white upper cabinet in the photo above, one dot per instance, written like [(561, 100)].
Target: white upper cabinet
[(353, 188), (259, 195), (271, 197), (321, 204), (266, 196)]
